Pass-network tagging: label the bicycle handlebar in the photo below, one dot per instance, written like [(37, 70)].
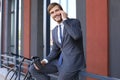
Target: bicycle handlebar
[(32, 58)]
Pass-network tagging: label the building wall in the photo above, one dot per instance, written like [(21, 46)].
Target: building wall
[(97, 36), (33, 28), (114, 38), (36, 28), (27, 28), (81, 15), (0, 5), (94, 21), (100, 25)]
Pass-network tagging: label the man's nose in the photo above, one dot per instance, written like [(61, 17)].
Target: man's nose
[(55, 13)]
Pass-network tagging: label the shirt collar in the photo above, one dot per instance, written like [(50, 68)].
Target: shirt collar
[(61, 24)]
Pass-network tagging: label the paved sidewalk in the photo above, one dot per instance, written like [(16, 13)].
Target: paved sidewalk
[(3, 72)]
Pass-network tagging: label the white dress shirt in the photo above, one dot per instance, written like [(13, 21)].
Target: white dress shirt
[(62, 27)]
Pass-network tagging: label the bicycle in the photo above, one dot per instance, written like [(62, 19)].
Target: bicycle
[(15, 73)]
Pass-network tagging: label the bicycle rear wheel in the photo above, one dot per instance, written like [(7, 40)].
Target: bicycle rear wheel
[(11, 75)]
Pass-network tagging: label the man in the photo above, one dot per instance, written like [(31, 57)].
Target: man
[(67, 55)]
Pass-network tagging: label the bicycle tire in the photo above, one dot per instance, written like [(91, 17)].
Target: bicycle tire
[(28, 76), (10, 74)]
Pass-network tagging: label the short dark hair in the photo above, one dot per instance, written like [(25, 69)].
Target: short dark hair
[(51, 5)]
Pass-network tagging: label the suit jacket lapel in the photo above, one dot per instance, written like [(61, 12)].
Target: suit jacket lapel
[(56, 36)]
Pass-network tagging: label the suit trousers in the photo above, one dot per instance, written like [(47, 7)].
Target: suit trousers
[(50, 68)]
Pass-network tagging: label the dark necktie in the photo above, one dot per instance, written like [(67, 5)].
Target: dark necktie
[(60, 58)]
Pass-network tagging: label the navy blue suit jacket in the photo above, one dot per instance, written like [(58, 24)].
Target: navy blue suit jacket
[(71, 47)]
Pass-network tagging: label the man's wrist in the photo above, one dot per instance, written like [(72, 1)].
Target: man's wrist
[(64, 19), (45, 60)]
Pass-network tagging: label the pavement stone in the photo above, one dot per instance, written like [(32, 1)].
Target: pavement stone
[(3, 72)]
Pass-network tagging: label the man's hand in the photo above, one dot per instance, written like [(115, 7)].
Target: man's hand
[(43, 63), (64, 15)]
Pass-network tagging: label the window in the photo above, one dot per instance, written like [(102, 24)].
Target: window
[(0, 25), (16, 26)]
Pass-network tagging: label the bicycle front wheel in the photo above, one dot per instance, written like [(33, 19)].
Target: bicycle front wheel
[(11, 75)]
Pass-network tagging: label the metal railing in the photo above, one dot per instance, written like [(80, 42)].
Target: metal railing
[(95, 76), (83, 75), (8, 61)]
